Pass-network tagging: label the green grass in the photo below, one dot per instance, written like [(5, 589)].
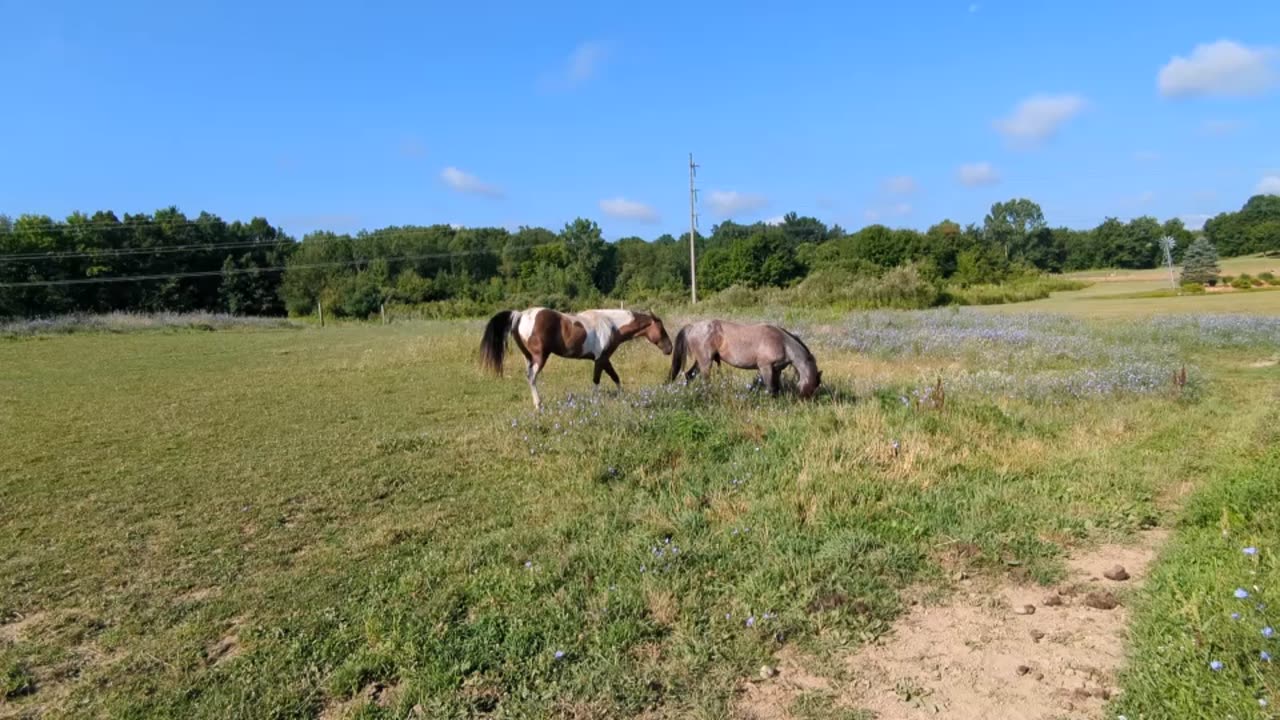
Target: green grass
[(1119, 294), (1185, 616), (267, 522)]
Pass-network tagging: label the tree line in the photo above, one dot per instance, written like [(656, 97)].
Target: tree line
[(50, 267)]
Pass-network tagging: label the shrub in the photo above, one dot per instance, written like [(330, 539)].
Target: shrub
[(1036, 288), (1266, 275), (735, 296), (1241, 283), (1193, 288)]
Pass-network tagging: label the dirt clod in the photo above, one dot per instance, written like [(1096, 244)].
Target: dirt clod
[(1052, 601), (767, 671), (1117, 573), (1037, 635), (1024, 610), (1101, 600), (1023, 670)]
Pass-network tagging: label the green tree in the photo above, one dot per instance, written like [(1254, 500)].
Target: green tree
[(1200, 263), (1014, 225)]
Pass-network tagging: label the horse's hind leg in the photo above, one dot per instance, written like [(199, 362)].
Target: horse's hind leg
[(535, 367)]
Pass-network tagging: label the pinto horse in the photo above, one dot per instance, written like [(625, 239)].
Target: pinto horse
[(768, 349), (589, 335)]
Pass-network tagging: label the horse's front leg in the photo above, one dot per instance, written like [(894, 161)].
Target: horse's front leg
[(769, 374)]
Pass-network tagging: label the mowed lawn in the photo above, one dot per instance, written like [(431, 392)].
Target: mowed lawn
[(284, 523)]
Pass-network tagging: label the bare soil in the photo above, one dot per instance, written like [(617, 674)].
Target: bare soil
[(975, 657)]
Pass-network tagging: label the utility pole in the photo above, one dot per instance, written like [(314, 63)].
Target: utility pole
[(693, 229)]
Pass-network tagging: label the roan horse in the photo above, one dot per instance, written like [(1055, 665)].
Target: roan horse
[(588, 335), (766, 348)]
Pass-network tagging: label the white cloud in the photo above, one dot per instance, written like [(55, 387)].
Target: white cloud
[(625, 209), (775, 220), (901, 185), (1222, 68), (467, 183), (979, 173), (583, 64), (1146, 156), (871, 215), (730, 202), (1269, 185), (1038, 118)]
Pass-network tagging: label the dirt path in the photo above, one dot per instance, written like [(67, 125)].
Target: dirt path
[(983, 654)]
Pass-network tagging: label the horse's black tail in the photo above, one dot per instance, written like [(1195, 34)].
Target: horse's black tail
[(678, 352), (493, 347)]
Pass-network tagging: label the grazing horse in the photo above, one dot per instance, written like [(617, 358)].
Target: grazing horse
[(766, 348), (591, 334)]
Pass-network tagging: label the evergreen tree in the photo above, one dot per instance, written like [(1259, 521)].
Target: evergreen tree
[(1200, 263)]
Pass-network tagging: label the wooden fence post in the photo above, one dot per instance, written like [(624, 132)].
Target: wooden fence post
[(320, 309)]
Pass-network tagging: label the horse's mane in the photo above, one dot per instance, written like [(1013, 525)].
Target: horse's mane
[(797, 339)]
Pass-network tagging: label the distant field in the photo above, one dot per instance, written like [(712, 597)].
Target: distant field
[(354, 521), (1106, 297)]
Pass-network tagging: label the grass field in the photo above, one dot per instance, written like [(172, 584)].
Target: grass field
[(272, 522), (1109, 295)]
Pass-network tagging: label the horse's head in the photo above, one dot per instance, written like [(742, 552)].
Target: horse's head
[(807, 389), (656, 333)]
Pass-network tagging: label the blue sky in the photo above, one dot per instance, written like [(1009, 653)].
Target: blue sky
[(349, 116)]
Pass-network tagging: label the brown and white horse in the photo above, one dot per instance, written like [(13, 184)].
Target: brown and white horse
[(768, 349), (588, 335)]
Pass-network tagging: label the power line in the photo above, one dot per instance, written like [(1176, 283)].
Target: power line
[(64, 226), (160, 249), (385, 236), (247, 271)]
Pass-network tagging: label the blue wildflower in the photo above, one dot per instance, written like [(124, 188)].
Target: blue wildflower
[(1215, 665), (1241, 593), (1266, 656), (1268, 632), (559, 654), (1235, 616), (751, 621), (1251, 550)]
